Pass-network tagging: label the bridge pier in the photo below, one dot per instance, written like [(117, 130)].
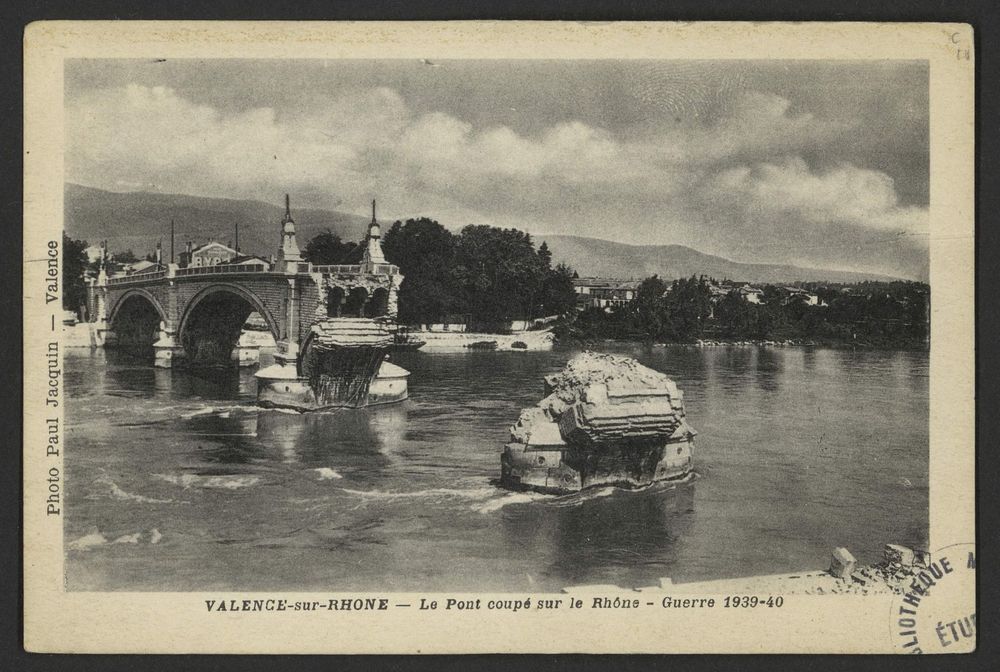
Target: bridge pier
[(167, 350), (246, 353), (280, 384), (103, 334)]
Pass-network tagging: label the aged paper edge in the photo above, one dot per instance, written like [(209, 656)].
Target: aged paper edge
[(57, 621)]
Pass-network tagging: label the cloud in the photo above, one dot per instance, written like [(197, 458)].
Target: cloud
[(789, 188), (705, 183)]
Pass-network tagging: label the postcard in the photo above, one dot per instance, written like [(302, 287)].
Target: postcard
[(464, 337)]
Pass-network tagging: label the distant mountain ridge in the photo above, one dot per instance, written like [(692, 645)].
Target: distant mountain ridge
[(137, 220), (603, 258)]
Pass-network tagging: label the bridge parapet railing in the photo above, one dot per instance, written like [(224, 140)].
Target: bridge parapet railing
[(333, 269), (137, 277), (221, 269), (355, 269)]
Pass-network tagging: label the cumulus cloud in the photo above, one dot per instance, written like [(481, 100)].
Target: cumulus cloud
[(701, 183), (846, 193)]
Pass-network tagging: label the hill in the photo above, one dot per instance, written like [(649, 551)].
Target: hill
[(603, 258), (136, 220)]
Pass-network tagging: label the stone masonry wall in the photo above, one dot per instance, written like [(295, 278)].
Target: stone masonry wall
[(269, 294)]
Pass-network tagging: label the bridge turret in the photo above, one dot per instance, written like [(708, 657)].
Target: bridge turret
[(373, 244), (289, 253), (102, 267)]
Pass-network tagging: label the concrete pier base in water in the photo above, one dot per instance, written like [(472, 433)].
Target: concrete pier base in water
[(280, 386), (247, 351), (341, 364), (167, 352), (607, 420)]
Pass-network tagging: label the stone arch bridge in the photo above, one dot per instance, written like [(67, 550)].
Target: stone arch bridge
[(195, 315)]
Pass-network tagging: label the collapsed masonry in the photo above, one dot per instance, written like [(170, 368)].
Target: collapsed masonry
[(605, 420), (341, 358), (893, 573), (342, 365)]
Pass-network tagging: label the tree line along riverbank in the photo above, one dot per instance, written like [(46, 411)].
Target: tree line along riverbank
[(487, 278), (701, 311)]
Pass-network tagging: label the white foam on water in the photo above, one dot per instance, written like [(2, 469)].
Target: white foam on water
[(128, 539), (286, 411), (221, 482), (120, 494), (221, 411), (87, 541), (327, 474), (439, 493), (95, 538), (201, 411), (593, 493), (507, 499)]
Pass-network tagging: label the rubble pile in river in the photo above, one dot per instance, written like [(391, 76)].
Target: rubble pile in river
[(605, 420), (342, 365)]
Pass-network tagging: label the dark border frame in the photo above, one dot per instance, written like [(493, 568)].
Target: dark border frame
[(981, 14)]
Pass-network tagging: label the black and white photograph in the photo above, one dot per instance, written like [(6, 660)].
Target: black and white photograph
[(438, 326)]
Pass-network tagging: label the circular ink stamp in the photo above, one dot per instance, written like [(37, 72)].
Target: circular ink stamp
[(934, 610)]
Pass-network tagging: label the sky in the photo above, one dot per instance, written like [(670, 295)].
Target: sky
[(815, 163)]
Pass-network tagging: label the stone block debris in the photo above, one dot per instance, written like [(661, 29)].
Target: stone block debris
[(842, 563), (896, 555), (605, 420)]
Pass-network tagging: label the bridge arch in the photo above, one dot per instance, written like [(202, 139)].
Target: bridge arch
[(378, 304), (355, 304), (213, 319), (134, 293), (135, 320)]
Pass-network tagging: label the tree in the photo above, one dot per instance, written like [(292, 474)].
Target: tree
[(647, 314), (425, 253), (545, 255), (743, 320), (689, 303), (500, 275), (558, 293), (74, 268), (126, 257), (328, 248)]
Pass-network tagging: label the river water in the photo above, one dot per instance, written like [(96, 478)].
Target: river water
[(175, 481)]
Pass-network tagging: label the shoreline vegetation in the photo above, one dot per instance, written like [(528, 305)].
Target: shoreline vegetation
[(574, 342), (487, 278), (706, 312)]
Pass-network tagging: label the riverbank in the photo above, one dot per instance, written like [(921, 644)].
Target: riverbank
[(461, 341), (592, 343), (891, 575), (79, 335)]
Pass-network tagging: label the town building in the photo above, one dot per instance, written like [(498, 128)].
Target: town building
[(797, 294), (247, 260), (209, 254), (605, 293), (141, 266), (751, 294)]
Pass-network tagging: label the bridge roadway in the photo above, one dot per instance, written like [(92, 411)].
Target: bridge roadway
[(196, 314)]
